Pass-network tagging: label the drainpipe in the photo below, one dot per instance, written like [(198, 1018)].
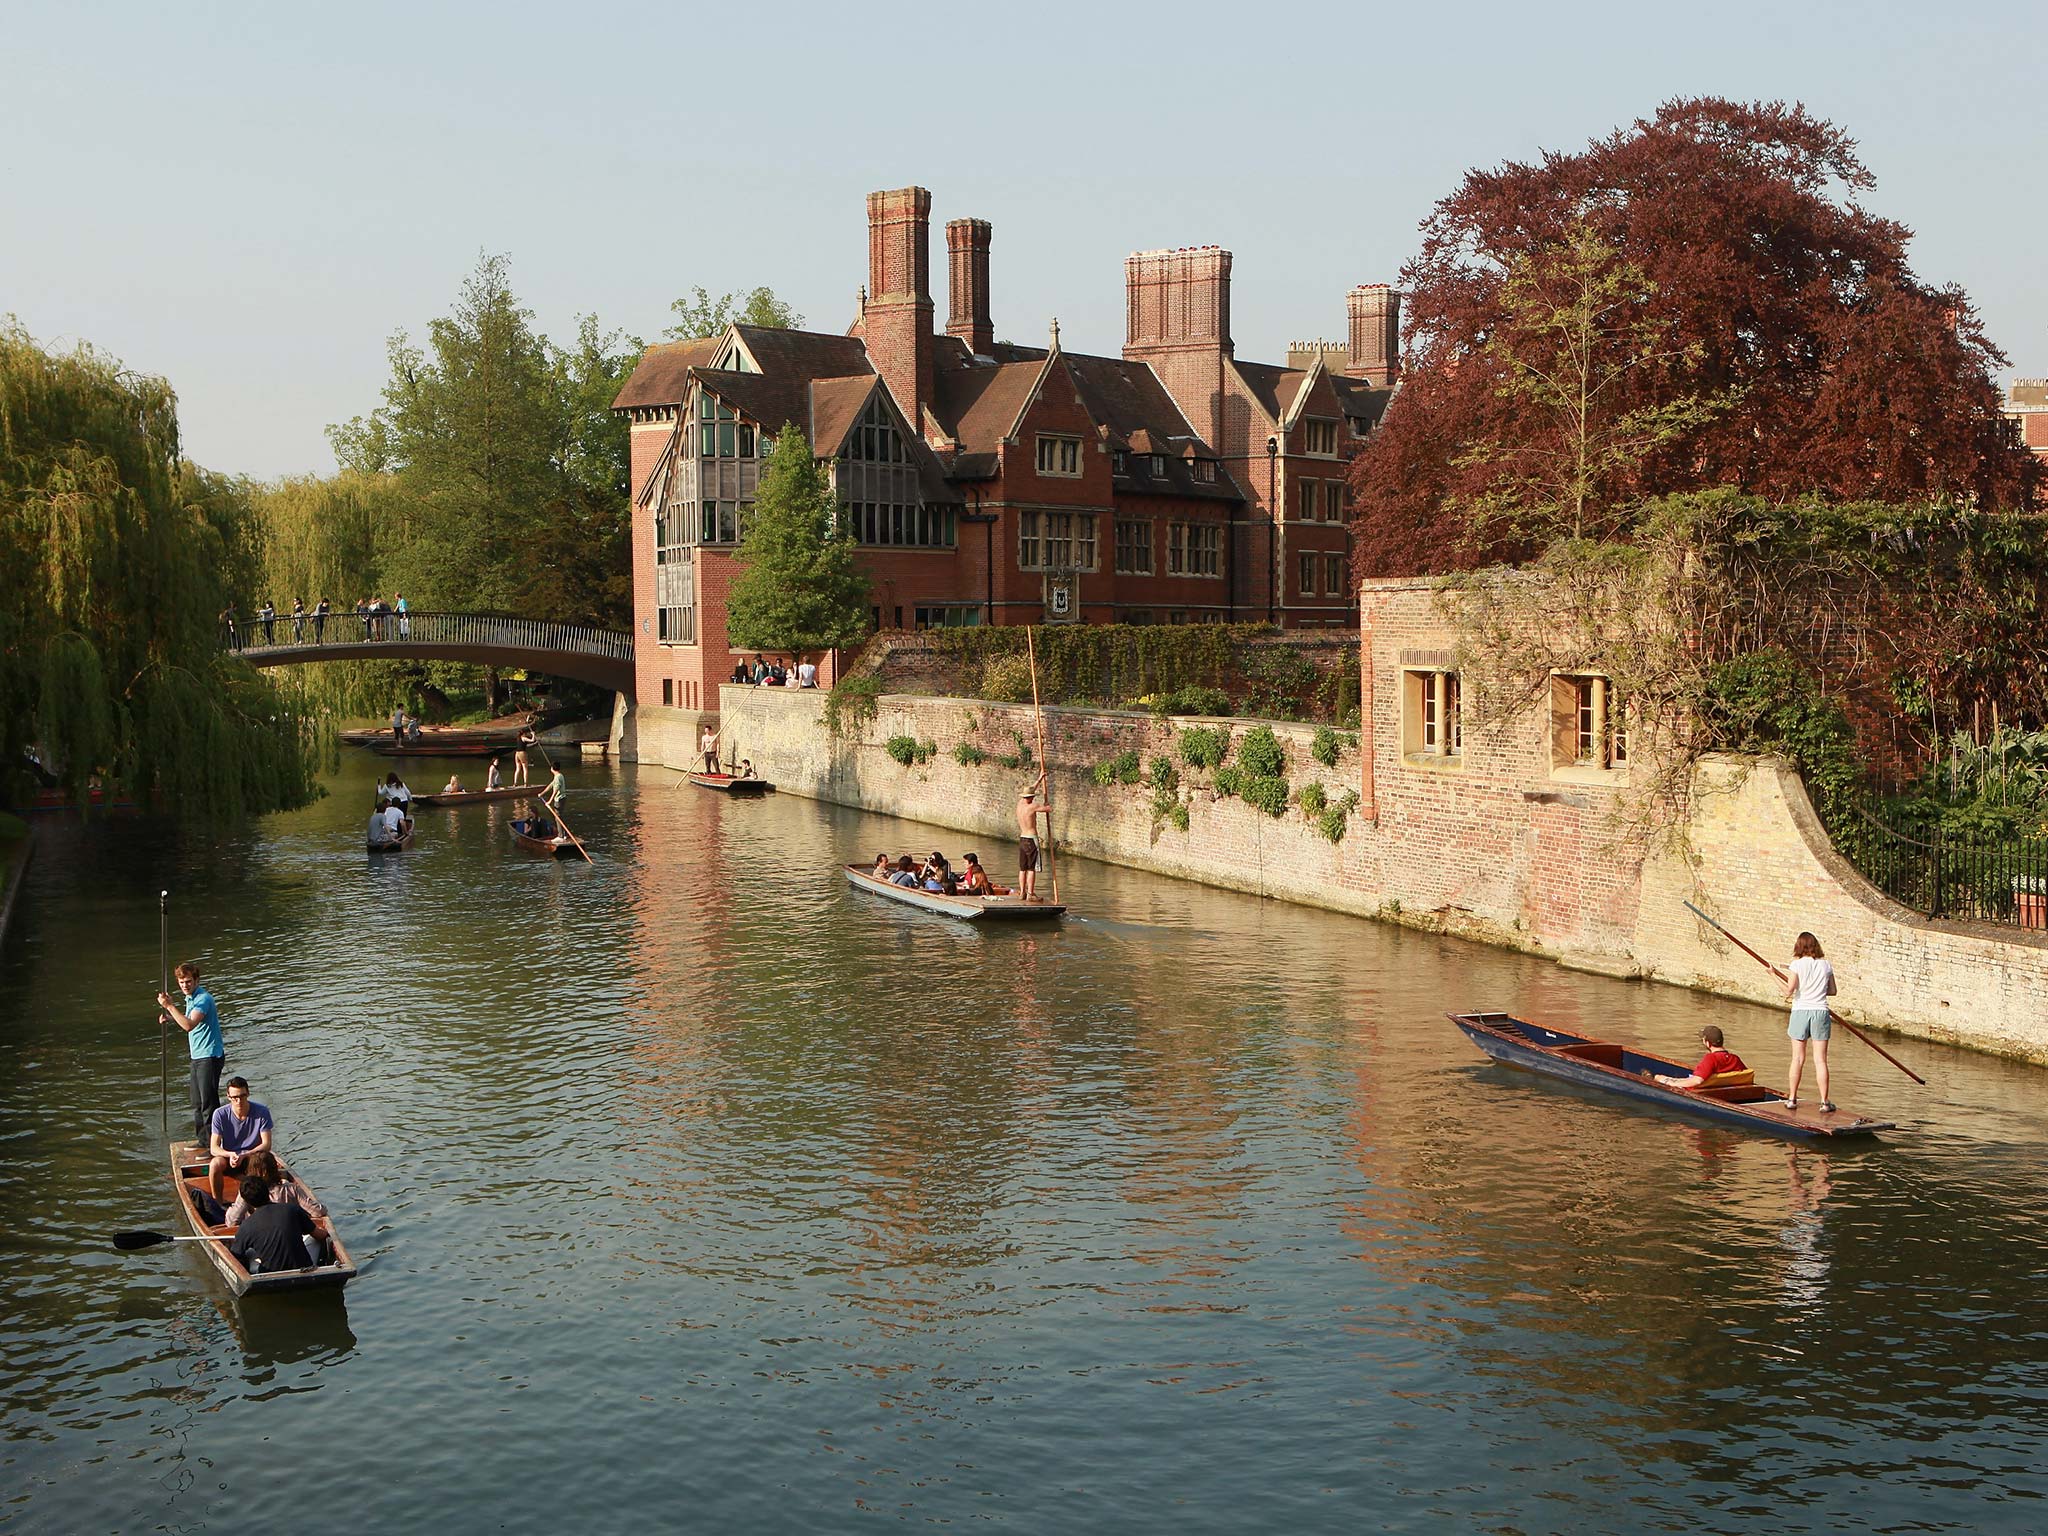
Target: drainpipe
[(1272, 529), (988, 544)]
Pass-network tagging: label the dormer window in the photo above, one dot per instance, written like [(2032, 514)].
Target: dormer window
[(875, 439), (1159, 465), (1205, 470), (1119, 461)]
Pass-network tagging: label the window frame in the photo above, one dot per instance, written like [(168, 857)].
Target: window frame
[(1317, 430), (1133, 536), (1432, 718), (1059, 456), (1588, 729)]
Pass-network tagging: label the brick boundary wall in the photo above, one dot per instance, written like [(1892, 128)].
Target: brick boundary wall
[(1757, 858)]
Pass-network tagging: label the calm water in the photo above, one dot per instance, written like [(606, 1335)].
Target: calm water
[(697, 1190)]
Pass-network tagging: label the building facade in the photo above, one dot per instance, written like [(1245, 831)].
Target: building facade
[(2026, 405), (993, 483)]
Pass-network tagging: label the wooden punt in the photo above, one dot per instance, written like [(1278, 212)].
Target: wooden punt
[(1617, 1069), (557, 846), (188, 1177), (969, 909), (478, 796), (726, 784), (400, 846)]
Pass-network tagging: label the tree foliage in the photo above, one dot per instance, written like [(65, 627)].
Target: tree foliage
[(702, 315), (116, 559), (798, 588), (1737, 269)]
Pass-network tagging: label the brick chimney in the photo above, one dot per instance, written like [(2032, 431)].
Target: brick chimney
[(898, 320), (967, 257), (1177, 319), (1374, 310)]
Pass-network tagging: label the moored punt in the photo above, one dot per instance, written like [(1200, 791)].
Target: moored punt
[(969, 909), (557, 846), (725, 783), (1619, 1070), (188, 1178), (477, 796)]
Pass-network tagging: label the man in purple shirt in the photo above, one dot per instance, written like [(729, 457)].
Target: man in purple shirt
[(240, 1126)]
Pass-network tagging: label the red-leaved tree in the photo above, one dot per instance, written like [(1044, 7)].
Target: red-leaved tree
[(1770, 324)]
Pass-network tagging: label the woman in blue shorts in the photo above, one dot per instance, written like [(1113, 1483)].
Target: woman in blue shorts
[(1809, 983)]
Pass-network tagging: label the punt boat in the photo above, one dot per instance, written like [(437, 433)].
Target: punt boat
[(1730, 1099), (969, 909), (478, 796), (726, 784), (188, 1178), (558, 846), (400, 846)]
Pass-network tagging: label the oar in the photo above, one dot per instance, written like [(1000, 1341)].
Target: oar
[(1760, 960), (128, 1242), (555, 805)]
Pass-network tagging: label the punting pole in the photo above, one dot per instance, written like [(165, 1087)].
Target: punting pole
[(163, 1023), (1760, 960), (555, 807), (1052, 872)]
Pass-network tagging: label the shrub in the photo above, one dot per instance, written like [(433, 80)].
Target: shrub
[(1336, 820), (1192, 699), (1179, 817), (852, 703), (968, 755), (1266, 791), (902, 748), (1204, 747), (1282, 682), (1325, 747), (1260, 753), (1121, 769), (1313, 799), (1229, 781), (1166, 791), (1006, 679), (1164, 775)]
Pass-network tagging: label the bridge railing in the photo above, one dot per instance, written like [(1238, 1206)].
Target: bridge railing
[(400, 631)]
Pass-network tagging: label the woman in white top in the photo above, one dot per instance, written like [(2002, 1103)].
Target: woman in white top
[(1809, 983)]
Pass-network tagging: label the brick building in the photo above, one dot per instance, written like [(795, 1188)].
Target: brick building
[(2026, 404), (992, 483)]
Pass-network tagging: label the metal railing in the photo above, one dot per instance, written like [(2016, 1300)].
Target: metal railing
[(397, 631), (1986, 876)]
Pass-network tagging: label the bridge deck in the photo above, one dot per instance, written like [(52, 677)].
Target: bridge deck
[(603, 657)]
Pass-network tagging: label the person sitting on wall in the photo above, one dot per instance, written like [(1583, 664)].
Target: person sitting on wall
[(1716, 1061), (739, 672), (239, 1127), (758, 672), (807, 674)]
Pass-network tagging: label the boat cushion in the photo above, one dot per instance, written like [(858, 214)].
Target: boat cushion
[(1740, 1079)]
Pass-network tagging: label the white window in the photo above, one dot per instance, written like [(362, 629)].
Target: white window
[(1432, 725), (1588, 725), (1059, 456)]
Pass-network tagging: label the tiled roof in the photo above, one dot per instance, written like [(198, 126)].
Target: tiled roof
[(1273, 387), (811, 354), (1362, 401), (835, 405), (772, 400), (1128, 399), (979, 405), (664, 371)]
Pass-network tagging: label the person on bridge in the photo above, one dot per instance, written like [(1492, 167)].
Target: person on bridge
[(298, 618), (1028, 812), (227, 624), (707, 743), (200, 1019), (238, 1127), (404, 621), (363, 613), (268, 614), (492, 778), (320, 620)]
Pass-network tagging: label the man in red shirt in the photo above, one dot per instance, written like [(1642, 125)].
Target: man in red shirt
[(1716, 1061)]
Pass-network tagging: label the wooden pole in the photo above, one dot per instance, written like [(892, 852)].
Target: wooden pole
[(1044, 768), (163, 1023), (1760, 960), (554, 805)]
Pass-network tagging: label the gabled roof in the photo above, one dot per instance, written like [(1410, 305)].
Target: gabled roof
[(1274, 388), (772, 400), (664, 372), (813, 354), (978, 406), (1127, 399), (836, 404), (1361, 401)]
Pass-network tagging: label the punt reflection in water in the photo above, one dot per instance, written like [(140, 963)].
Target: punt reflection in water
[(690, 1176)]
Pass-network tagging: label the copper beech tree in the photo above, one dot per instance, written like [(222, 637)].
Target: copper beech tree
[(1735, 317)]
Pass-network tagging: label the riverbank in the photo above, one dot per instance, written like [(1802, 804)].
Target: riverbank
[(1536, 869)]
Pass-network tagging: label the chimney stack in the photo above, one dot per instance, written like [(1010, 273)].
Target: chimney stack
[(898, 320), (1374, 310), (967, 256), (1177, 319)]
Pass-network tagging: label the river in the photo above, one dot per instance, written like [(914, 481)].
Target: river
[(694, 1190)]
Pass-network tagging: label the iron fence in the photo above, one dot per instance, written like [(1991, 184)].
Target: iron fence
[(398, 630), (1991, 875)]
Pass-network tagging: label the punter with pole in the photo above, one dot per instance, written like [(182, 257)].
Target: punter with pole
[(200, 1020), (1028, 812)]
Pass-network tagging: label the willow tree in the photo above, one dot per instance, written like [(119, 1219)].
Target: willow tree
[(116, 559)]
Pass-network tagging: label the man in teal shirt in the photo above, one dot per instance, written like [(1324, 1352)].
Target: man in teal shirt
[(200, 1020)]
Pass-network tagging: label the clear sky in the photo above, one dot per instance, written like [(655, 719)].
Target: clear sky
[(250, 199)]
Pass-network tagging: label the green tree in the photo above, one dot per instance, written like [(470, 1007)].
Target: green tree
[(702, 315), (116, 560), (798, 589)]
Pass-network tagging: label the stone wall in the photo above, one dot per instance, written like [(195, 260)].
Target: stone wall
[(1485, 856)]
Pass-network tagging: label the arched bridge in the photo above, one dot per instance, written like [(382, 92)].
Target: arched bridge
[(600, 656)]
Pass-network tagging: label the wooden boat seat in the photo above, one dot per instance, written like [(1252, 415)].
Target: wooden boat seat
[(1740, 1079), (1603, 1053), (1736, 1093)]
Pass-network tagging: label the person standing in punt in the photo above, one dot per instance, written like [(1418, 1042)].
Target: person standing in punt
[(1028, 812), (1809, 983), (200, 1019), (707, 743)]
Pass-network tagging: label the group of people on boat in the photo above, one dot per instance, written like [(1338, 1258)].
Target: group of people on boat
[(391, 821), (275, 1219), (707, 744), (937, 875), (1809, 981)]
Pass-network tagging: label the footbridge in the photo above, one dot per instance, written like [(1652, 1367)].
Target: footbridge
[(600, 656)]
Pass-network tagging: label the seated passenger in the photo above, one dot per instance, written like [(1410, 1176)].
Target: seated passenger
[(272, 1236), (906, 873), (264, 1166), (1716, 1061), (492, 778), (881, 869), (976, 879), (949, 883), (746, 769), (238, 1128), (389, 826), (453, 786)]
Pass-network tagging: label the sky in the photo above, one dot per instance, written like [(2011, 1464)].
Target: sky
[(250, 200)]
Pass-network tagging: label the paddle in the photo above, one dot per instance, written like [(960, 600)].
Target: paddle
[(128, 1242), (1760, 960), (554, 804)]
